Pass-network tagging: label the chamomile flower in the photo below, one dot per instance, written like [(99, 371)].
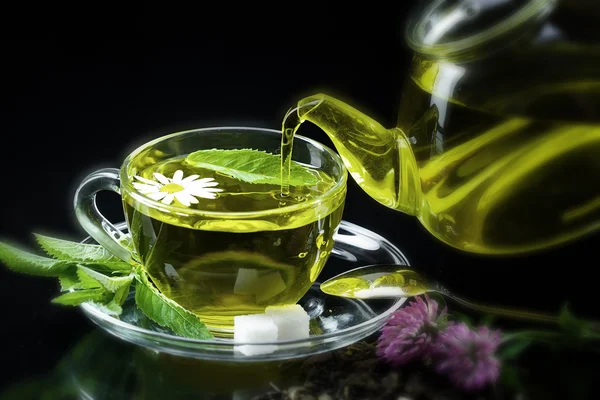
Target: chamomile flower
[(184, 190)]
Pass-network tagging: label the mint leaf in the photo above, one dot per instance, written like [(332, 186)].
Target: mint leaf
[(122, 293), (166, 312), (112, 284), (80, 296), (110, 308), (98, 297), (95, 288), (85, 281), (21, 261), (77, 279), (68, 282), (81, 253), (251, 166)]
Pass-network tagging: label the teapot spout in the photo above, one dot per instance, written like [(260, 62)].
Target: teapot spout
[(380, 160)]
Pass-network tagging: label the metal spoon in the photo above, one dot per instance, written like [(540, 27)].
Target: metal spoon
[(396, 281)]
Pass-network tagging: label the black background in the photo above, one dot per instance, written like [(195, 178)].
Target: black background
[(81, 88)]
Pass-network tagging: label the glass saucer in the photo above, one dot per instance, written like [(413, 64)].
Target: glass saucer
[(335, 322)]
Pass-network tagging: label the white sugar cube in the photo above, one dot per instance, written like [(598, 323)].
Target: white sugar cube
[(291, 320), (257, 328)]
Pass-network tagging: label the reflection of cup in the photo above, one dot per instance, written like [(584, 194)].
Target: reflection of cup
[(100, 367), (175, 377), (224, 252)]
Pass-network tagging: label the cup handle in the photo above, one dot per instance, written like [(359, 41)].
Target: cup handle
[(90, 218)]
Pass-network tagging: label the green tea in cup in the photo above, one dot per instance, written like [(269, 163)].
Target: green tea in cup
[(210, 224)]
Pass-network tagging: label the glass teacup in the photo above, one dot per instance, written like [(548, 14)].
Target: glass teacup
[(218, 246)]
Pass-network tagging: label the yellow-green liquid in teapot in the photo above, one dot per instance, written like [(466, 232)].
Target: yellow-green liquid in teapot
[(506, 162)]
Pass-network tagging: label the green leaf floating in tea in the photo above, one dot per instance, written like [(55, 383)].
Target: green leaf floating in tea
[(252, 166), (92, 275)]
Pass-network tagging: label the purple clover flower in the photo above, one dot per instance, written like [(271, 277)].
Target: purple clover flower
[(410, 331), (467, 356)]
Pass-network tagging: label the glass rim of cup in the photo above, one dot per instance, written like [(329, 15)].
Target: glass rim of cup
[(126, 184)]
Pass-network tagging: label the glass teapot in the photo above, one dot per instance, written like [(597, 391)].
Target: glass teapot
[(497, 144)]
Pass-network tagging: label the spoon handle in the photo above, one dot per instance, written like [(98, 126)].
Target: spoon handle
[(507, 312)]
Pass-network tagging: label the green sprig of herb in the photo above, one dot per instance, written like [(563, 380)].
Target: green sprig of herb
[(90, 274), (252, 166), (157, 307), (570, 332)]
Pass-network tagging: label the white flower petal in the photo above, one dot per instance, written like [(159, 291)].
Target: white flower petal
[(180, 196), (157, 195), (161, 178), (177, 176), (190, 198), (208, 195), (143, 188), (204, 180), (213, 190), (148, 181), (197, 191), (189, 178), (168, 199), (198, 184), (205, 184), (202, 193), (185, 198)]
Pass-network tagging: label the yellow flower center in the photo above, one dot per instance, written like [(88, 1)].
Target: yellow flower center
[(171, 188)]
